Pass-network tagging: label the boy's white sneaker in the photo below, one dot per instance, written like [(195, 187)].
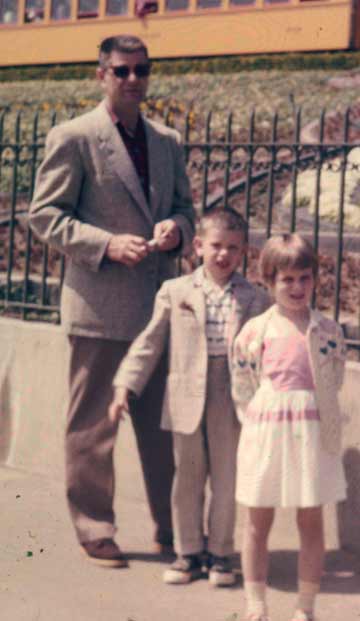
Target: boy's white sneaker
[(302, 615), (220, 571), (183, 570)]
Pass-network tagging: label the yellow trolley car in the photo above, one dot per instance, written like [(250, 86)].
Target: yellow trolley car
[(67, 31)]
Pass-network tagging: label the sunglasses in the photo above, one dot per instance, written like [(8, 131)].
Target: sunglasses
[(123, 71)]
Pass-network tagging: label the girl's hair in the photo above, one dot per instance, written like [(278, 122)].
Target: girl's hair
[(287, 251)]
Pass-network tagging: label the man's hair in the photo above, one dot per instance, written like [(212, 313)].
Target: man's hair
[(125, 44), (227, 218), (287, 251)]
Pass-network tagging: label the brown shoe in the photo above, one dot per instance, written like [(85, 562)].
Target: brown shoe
[(104, 552)]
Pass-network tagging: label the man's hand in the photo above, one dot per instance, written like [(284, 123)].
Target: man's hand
[(127, 249), (119, 407), (167, 235)]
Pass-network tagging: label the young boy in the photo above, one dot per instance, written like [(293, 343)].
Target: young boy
[(196, 317)]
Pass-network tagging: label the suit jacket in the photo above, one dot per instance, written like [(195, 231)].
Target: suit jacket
[(327, 353), (87, 189), (178, 324)]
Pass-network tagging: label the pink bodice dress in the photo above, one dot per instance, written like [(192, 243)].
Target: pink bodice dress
[(281, 461)]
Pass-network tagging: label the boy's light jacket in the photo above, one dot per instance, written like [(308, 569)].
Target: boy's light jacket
[(327, 353), (178, 323)]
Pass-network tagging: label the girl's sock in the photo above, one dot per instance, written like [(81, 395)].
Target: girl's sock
[(307, 591), (255, 594)]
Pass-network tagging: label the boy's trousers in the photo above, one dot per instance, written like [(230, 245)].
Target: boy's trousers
[(208, 452)]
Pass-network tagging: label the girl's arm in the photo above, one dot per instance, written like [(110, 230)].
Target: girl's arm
[(340, 357), (245, 368)]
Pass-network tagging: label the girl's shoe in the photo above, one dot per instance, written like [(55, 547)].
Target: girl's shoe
[(302, 615)]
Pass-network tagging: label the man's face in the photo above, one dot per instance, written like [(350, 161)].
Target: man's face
[(128, 91)]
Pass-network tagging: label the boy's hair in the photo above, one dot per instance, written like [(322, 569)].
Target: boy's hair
[(287, 251), (227, 218), (125, 44)]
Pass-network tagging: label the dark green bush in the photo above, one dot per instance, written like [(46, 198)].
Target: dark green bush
[(219, 64)]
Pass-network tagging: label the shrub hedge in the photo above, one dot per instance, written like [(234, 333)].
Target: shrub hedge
[(219, 64)]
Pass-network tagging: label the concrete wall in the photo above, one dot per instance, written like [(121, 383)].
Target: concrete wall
[(348, 513), (33, 395), (33, 399)]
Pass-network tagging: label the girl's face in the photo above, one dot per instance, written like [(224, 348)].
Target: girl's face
[(292, 289)]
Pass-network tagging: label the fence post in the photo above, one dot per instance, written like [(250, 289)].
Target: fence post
[(28, 232), (207, 161), (228, 138), (339, 257), (295, 168), (271, 174), (16, 151)]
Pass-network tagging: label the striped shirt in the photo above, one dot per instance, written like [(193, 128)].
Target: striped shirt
[(219, 306)]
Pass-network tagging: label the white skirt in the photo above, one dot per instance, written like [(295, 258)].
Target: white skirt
[(281, 461)]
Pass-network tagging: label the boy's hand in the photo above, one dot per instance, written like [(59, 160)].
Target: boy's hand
[(119, 407)]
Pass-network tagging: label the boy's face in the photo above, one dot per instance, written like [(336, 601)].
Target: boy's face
[(221, 250)]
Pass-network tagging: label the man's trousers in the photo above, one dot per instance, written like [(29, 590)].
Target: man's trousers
[(90, 439)]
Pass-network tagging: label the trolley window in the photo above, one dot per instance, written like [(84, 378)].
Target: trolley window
[(116, 7), (208, 4), (242, 2), (34, 11), (176, 5), (60, 9), (8, 11), (88, 8)]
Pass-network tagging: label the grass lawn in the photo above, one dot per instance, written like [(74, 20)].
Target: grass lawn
[(267, 91)]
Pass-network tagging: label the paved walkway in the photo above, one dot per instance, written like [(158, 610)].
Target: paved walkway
[(45, 577)]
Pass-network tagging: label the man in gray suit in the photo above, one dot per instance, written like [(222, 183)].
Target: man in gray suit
[(112, 195)]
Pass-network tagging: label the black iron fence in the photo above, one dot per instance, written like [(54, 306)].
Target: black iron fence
[(282, 179)]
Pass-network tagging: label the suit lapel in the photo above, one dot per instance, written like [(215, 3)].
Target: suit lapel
[(195, 299), (156, 165), (117, 160)]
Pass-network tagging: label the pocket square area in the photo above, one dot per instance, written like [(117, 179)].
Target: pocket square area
[(186, 307)]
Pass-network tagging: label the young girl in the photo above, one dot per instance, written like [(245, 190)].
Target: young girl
[(288, 367)]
